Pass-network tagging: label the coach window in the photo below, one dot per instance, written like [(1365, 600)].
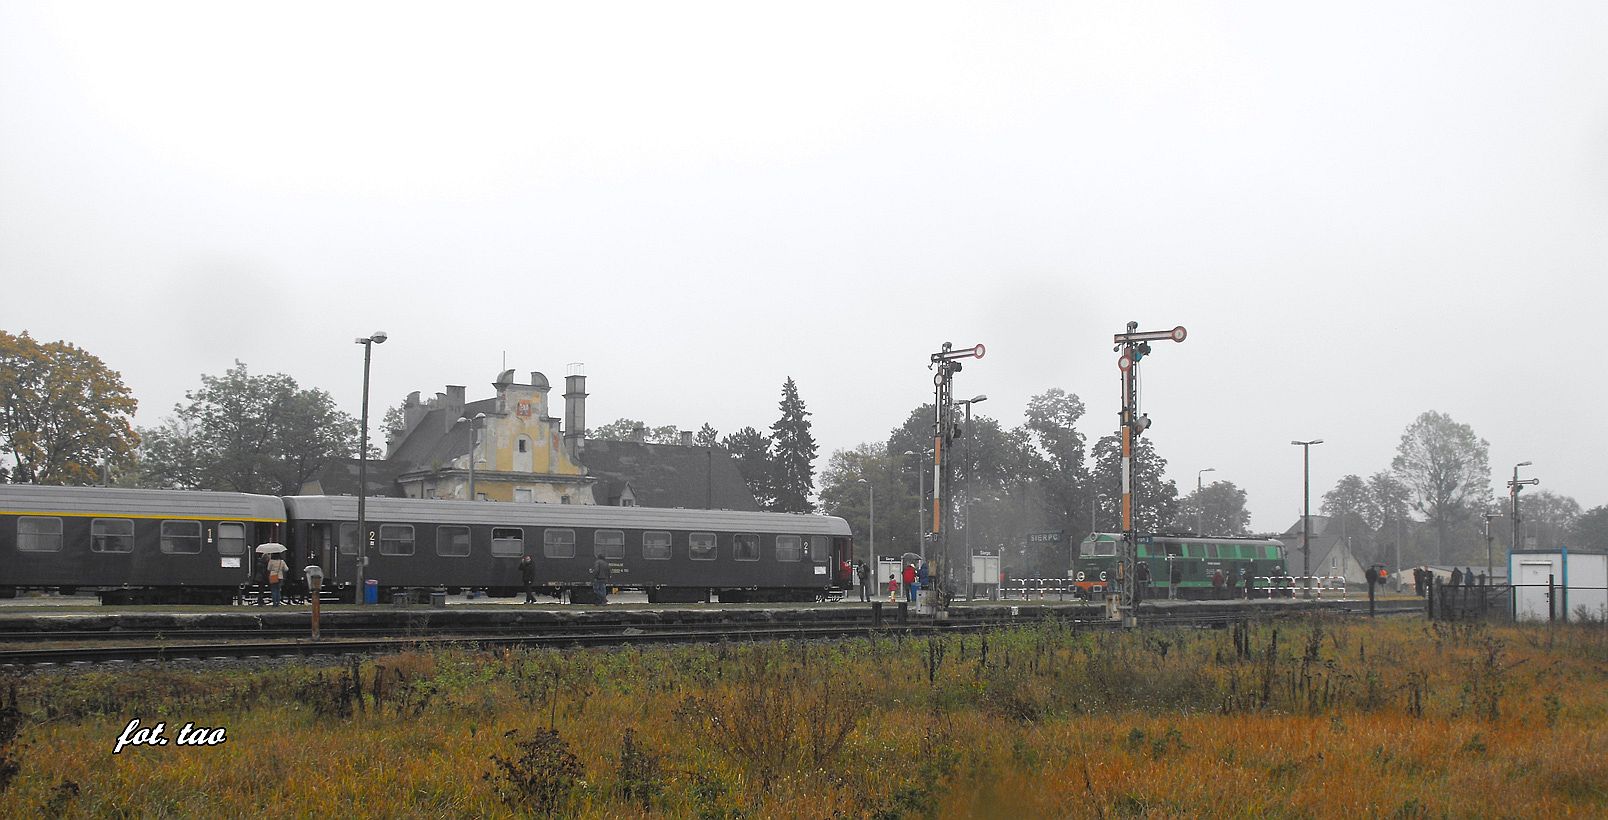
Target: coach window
[(558, 543), (452, 542), (111, 535), (701, 546), (820, 547), (231, 538), (789, 548), (608, 543), (396, 539), (181, 537), (38, 534), (745, 547), (507, 542), (348, 539), (656, 546)]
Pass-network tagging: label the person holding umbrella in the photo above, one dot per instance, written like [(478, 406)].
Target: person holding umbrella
[(277, 568)]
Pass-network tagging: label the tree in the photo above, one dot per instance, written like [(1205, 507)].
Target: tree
[(1590, 530), (626, 430), (792, 455), (248, 434), (1156, 497), (1220, 506), (1448, 469), (1547, 516), (751, 450), (707, 436), (394, 424), (1060, 472), (1350, 505), (846, 488), (62, 412)]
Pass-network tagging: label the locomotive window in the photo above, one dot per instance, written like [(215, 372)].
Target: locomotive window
[(701, 546), (1194, 551), (507, 542), (1211, 551), (452, 542), (111, 535), (1175, 549), (608, 543), (745, 547), (1270, 552), (656, 546), (558, 543), (789, 548), (348, 539), (181, 537), (231, 538), (396, 539), (38, 534)]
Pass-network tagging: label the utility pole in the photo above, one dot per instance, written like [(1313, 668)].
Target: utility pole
[(946, 363), (1134, 346), (1200, 507)]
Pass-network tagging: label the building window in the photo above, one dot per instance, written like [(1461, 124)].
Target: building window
[(558, 543), (608, 543), (563, 500), (524, 495), (507, 542), (348, 539), (38, 534), (628, 502), (111, 535), (789, 548), (452, 542), (656, 546), (745, 547), (181, 537), (701, 546), (396, 539), (231, 538)]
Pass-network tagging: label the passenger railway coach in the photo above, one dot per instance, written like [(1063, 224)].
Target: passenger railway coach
[(133, 545), (672, 554), (154, 545)]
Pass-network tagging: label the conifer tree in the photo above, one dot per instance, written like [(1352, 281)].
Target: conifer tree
[(792, 455)]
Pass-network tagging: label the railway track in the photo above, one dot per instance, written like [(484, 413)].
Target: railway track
[(369, 640)]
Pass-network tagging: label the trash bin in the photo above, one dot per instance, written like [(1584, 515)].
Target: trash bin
[(438, 600), (371, 591)]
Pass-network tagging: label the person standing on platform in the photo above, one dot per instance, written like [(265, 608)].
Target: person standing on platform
[(600, 580), (527, 574)]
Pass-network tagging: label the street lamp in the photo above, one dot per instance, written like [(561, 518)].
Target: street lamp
[(474, 446), (978, 399), (1199, 505), (1514, 487), (921, 502), (368, 343), (1306, 511), (871, 539), (1488, 516)]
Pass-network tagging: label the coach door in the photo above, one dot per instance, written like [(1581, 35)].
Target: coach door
[(321, 549)]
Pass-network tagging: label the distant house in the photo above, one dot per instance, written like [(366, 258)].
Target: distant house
[(1331, 553), (523, 454)]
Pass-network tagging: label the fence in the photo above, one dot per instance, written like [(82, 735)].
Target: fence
[(1549, 602)]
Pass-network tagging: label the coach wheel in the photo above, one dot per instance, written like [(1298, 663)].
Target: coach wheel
[(68, 590), (8, 592)]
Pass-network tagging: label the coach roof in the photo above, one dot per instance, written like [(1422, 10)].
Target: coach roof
[(117, 502), (433, 511)]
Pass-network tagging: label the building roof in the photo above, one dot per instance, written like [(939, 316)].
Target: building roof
[(666, 475), (432, 444)]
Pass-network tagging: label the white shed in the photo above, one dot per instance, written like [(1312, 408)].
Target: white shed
[(1579, 579)]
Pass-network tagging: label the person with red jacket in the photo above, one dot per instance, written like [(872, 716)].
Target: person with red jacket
[(910, 582)]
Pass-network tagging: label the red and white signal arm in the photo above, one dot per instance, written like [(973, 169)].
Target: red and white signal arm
[(523, 410), (978, 351), (1178, 333)]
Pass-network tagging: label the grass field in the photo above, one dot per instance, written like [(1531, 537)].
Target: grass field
[(1320, 718)]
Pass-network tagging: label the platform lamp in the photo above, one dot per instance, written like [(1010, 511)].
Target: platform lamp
[(368, 343), (1200, 506), (474, 446), (1306, 511)]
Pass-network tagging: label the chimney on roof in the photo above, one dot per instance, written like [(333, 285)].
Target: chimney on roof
[(639, 433), (686, 438), (452, 404), (574, 414), (412, 413)]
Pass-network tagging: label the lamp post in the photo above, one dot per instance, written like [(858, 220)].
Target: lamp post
[(978, 399), (368, 343), (474, 446), (1306, 512), (871, 539), (1488, 516), (1200, 506), (921, 504)]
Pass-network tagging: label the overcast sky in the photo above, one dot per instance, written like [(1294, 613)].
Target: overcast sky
[(1360, 211)]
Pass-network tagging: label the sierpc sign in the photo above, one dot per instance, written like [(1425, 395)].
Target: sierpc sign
[(1056, 537)]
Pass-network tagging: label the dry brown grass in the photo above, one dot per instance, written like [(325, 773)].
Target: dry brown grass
[(1321, 719)]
